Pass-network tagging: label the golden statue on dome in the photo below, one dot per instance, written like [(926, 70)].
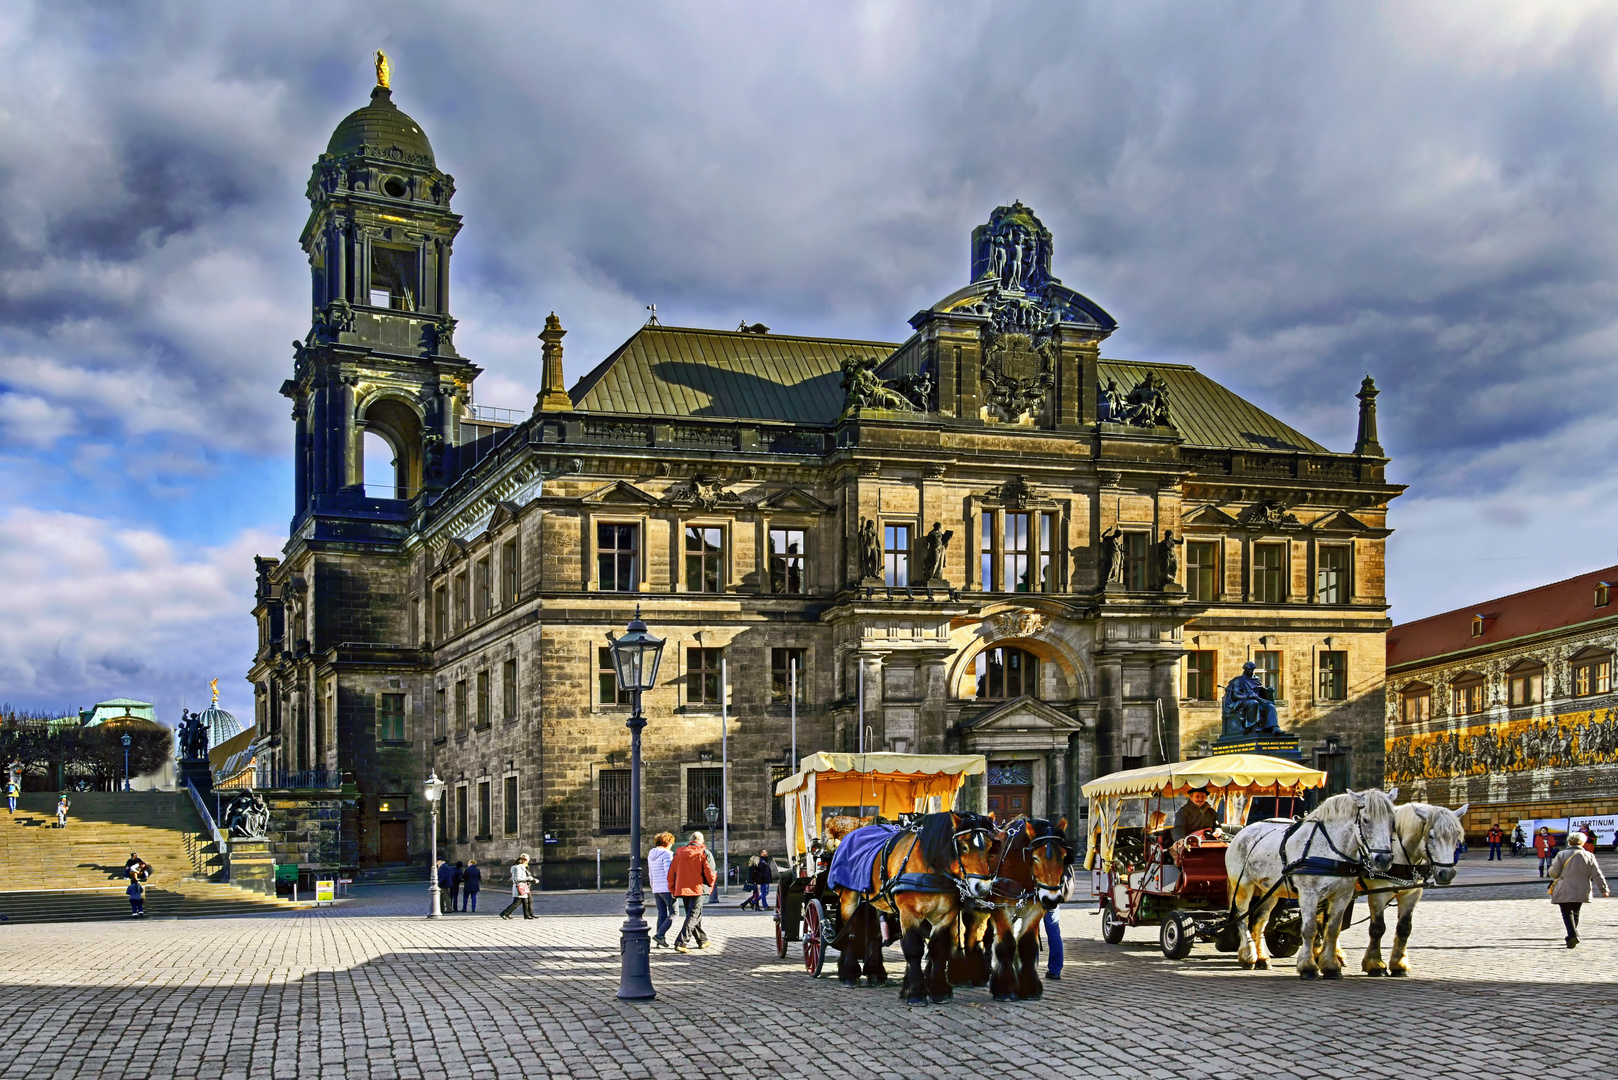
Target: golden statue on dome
[(382, 69), (213, 688)]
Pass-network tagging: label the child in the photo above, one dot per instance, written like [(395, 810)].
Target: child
[(137, 898), (61, 811)]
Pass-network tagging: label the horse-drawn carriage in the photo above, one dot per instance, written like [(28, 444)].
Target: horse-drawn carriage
[(1141, 876)]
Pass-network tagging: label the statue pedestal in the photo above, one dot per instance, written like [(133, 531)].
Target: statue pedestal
[(1282, 746), (199, 772), (1174, 589), (252, 867)]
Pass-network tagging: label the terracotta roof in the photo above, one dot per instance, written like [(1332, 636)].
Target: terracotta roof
[(1548, 607)]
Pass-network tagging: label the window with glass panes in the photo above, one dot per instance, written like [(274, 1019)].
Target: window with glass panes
[(778, 803), (781, 664), (987, 550), (440, 713), (1202, 570), (702, 676), (607, 681), (1467, 696), (896, 555), (1137, 561), (1332, 684), (788, 565), (1267, 666), (1200, 683), (704, 548), (1269, 573), (1047, 567), (1018, 552), (1005, 672), (440, 614), (1592, 675), (485, 810), (1416, 703), (1527, 685), (618, 557), (508, 573), (462, 832), (483, 699), (483, 586), (612, 786), (704, 787), (463, 601), (1331, 574), (508, 690), (1014, 552), (509, 805), (460, 705), (390, 718)]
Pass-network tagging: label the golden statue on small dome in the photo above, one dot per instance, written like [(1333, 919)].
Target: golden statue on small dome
[(382, 70), (213, 687)]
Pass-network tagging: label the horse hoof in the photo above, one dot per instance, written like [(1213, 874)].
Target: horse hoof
[(876, 982), (1247, 965), (1005, 997), (1375, 972), (1303, 974), (1261, 965), (852, 983), (1399, 973), (1331, 973), (916, 1002), (943, 999)]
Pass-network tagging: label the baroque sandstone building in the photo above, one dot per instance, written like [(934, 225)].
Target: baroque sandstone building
[(984, 538)]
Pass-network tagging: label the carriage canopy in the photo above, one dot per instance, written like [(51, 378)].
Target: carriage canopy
[(892, 783)]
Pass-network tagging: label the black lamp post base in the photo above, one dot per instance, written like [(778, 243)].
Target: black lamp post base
[(635, 982)]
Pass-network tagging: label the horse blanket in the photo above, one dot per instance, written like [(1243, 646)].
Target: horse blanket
[(856, 855)]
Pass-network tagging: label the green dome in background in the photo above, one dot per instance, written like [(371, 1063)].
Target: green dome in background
[(383, 126)]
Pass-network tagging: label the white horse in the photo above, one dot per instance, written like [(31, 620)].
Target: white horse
[(1321, 857), (1425, 837)]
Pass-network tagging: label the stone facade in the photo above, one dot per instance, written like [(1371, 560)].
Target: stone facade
[(979, 539)]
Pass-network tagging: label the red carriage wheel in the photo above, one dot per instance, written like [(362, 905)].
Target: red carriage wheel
[(814, 949), (780, 928)]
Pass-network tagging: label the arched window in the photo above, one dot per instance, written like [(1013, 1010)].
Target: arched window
[(1005, 672), (381, 475), (1416, 702)]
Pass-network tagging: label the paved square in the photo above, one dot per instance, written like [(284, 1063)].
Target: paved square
[(374, 990)]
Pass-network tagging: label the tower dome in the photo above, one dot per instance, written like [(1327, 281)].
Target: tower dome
[(382, 129), (221, 724)]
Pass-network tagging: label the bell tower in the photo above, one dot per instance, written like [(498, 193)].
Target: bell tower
[(379, 359)]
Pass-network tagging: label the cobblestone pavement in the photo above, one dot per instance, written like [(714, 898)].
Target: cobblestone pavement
[(372, 989)]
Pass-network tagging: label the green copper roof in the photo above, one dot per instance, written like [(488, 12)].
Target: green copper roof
[(381, 125), (1207, 414), (670, 371)]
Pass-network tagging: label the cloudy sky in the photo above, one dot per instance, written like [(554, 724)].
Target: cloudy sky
[(1287, 195)]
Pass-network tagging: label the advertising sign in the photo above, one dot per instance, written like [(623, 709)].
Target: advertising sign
[(1556, 825), (325, 890), (1601, 830)]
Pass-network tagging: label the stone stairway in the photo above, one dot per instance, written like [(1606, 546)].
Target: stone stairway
[(74, 874)]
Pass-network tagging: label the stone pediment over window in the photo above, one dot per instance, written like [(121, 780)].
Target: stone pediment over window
[(793, 499), (504, 512), (620, 493), (1208, 517), (1024, 714), (1343, 523), (454, 551)]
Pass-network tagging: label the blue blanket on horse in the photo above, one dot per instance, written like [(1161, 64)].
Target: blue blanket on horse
[(856, 855)]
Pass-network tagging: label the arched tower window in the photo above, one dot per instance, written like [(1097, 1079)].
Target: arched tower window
[(1006, 672), (391, 450), (381, 467)]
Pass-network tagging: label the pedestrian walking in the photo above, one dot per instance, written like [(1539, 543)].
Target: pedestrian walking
[(1573, 873), (446, 883), (657, 880), (759, 874), (522, 880), (1495, 838), (471, 884), (455, 881), (1545, 848), (13, 789), (137, 898), (691, 874), (61, 811)]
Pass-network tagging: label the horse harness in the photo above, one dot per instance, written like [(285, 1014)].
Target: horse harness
[(1001, 894), (923, 881), (1411, 875), (1344, 865)]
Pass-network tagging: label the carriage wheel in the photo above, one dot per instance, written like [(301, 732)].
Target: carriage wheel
[(1177, 935), (1284, 936), (780, 928), (1112, 931), (814, 949)]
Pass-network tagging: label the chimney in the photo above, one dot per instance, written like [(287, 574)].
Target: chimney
[(1366, 445), (553, 398)]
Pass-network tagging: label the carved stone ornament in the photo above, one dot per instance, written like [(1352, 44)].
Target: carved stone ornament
[(863, 389), (704, 491), (1016, 624), (1147, 405), (1018, 373), (1014, 494), (1270, 515), (335, 318), (444, 334)]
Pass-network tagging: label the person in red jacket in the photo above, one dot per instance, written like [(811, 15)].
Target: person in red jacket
[(691, 873), (1545, 848), (1495, 838)]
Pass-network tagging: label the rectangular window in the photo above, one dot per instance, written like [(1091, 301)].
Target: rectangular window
[(440, 714), (1417, 705), (618, 557), (704, 549), (1528, 687), (1269, 573), (1592, 677), (460, 705), (781, 663), (485, 810), (704, 787), (509, 805), (395, 276), (508, 573), (484, 586), (613, 788), (1331, 575), (390, 718), (1014, 553), (1333, 682), (788, 568), (988, 551), (440, 614), (778, 803), (1468, 699), (1047, 566), (463, 603), (1268, 670), (462, 833), (483, 699), (1137, 561), (896, 555), (1199, 676), (508, 690), (607, 681), (1202, 570), (702, 676)]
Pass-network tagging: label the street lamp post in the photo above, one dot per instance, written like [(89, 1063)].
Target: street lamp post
[(433, 788), (126, 763), (635, 658), (712, 814)]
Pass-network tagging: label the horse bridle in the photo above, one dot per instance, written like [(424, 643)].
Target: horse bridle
[(960, 868), (1051, 839)]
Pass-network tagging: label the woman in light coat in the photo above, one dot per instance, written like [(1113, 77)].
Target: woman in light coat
[(1572, 875), (522, 887)]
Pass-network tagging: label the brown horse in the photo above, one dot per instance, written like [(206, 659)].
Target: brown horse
[(922, 879), (1033, 860)]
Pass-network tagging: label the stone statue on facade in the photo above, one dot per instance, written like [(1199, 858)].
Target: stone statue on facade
[(934, 551), (1168, 558), (1147, 405), (1249, 706), (870, 550), (1112, 556), (863, 389), (247, 815)]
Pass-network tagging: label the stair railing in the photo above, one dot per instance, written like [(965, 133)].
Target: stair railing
[(213, 829)]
